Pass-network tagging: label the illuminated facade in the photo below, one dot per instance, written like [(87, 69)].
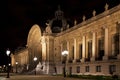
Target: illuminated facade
[(93, 45)]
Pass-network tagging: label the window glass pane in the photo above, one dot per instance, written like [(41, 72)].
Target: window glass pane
[(98, 68), (87, 68), (78, 69), (112, 68)]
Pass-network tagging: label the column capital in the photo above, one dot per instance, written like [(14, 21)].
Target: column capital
[(118, 22), (44, 40), (118, 56), (105, 57), (82, 60), (84, 33), (92, 59), (94, 31), (104, 27)]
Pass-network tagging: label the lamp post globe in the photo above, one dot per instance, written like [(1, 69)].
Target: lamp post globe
[(8, 54), (64, 54), (16, 66), (16, 63), (35, 59)]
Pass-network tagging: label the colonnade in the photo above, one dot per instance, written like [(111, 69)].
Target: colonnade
[(94, 47)]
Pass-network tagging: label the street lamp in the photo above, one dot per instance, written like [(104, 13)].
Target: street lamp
[(35, 59), (64, 54), (16, 66), (8, 54)]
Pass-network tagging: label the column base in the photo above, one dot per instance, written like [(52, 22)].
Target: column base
[(74, 60), (118, 56), (83, 60), (105, 58), (67, 61), (92, 59)]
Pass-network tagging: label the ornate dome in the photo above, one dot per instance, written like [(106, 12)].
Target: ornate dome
[(58, 22), (59, 14)]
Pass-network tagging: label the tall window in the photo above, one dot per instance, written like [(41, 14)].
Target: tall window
[(87, 68), (72, 52), (78, 69), (112, 68), (115, 44), (116, 41), (80, 51), (98, 68), (101, 48), (89, 49), (70, 70)]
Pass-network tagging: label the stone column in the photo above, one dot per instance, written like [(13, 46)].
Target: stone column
[(68, 50), (44, 51), (93, 47), (118, 56), (105, 57), (47, 50), (83, 49), (61, 51), (75, 54), (43, 48), (119, 37), (30, 55)]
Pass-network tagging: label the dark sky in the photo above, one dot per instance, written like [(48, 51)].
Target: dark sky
[(19, 15)]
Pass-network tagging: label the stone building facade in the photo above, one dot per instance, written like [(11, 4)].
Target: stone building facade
[(93, 46)]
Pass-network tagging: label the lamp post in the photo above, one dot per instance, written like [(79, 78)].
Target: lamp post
[(64, 54), (8, 54), (35, 59), (16, 66)]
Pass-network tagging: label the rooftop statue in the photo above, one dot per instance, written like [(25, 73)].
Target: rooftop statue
[(48, 29), (84, 18), (75, 22), (94, 13), (106, 7)]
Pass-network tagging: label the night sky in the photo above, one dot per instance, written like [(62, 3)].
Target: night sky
[(18, 16)]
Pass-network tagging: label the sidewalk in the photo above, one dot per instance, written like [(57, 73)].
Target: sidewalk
[(38, 77), (2, 78)]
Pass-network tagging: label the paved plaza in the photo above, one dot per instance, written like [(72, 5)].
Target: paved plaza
[(37, 77)]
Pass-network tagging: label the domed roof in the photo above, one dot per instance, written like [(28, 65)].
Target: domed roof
[(58, 22), (59, 14)]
